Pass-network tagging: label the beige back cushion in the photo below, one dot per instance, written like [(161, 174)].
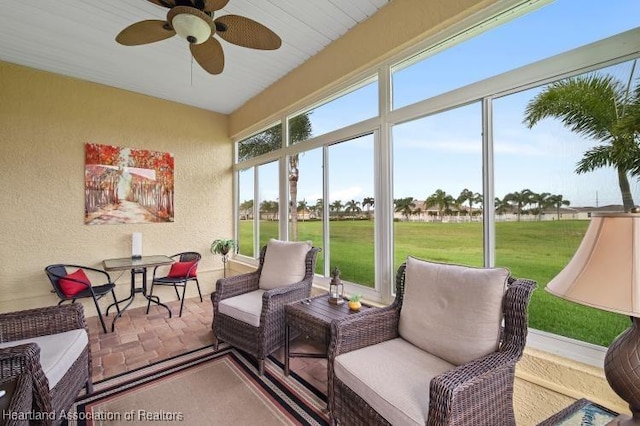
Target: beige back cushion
[(284, 263), (452, 311)]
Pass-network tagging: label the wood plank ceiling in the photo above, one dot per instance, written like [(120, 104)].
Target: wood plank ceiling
[(77, 38)]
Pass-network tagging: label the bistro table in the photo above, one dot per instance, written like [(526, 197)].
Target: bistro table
[(137, 266), (312, 318)]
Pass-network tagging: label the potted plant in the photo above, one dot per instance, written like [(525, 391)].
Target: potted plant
[(354, 302), (223, 247)]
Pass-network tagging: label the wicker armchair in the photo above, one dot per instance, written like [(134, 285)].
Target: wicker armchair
[(248, 315), (24, 358), (476, 392)]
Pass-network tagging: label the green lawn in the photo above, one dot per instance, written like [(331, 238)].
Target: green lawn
[(535, 250)]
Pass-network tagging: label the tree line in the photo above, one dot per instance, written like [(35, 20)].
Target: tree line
[(439, 204)]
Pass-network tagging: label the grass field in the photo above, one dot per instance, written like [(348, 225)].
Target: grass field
[(535, 250)]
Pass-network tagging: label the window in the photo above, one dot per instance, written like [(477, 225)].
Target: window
[(306, 200), (459, 176), (269, 205), (529, 38), (245, 212), (437, 187), (351, 230), (361, 102), (543, 203)]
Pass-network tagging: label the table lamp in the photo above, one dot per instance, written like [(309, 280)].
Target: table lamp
[(604, 273)]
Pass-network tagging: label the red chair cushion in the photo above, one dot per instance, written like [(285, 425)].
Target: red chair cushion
[(180, 269), (71, 288)]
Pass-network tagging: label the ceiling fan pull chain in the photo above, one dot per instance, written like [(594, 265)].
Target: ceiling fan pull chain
[(191, 70)]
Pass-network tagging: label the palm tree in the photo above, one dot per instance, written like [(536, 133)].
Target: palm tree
[(595, 106), (336, 206), (471, 197), (269, 207), (630, 123), (405, 206), (417, 212), (558, 201), (441, 200), (302, 207), (246, 209), (353, 207), (519, 199), (270, 140), (501, 206), (318, 208), (368, 203), (541, 201)]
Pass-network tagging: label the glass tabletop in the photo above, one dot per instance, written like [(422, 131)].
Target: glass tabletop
[(124, 263)]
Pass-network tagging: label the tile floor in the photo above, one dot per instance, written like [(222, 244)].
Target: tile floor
[(140, 339)]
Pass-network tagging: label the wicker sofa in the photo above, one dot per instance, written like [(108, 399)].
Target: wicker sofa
[(443, 353), (248, 309), (50, 346)]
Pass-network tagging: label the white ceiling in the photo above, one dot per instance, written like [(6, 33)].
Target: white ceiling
[(77, 38)]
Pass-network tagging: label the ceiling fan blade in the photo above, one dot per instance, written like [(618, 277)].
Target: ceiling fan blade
[(144, 32), (246, 32), (213, 5), (209, 55), (164, 3)]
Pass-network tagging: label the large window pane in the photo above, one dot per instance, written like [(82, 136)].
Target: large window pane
[(306, 200), (544, 196), (269, 202), (537, 35), (359, 104), (437, 187), (351, 230), (245, 212)]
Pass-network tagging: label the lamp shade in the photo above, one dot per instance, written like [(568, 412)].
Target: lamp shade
[(604, 273)]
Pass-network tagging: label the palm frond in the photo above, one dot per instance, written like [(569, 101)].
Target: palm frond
[(587, 105)]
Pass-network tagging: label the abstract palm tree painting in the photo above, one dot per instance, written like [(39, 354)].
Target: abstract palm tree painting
[(126, 185)]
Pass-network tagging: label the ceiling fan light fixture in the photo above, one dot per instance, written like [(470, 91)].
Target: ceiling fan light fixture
[(190, 24)]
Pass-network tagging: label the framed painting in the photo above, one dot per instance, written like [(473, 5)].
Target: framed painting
[(127, 185)]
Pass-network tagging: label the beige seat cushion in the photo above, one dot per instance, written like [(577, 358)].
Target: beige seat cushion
[(58, 352), (452, 311), (284, 263), (393, 377), (246, 307)]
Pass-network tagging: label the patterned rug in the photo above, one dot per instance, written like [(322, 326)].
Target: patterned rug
[(203, 387)]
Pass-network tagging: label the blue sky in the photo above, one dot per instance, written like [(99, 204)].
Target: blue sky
[(444, 151)]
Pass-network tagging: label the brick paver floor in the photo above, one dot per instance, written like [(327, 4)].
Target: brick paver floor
[(140, 339)]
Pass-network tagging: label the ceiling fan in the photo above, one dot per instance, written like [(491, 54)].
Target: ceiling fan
[(193, 21)]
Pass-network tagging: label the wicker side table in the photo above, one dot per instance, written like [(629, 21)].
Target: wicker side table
[(312, 318), (16, 404)]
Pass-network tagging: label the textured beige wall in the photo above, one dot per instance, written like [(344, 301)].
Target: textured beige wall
[(45, 120), (396, 26)]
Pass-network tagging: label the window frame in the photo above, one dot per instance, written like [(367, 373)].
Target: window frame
[(605, 52)]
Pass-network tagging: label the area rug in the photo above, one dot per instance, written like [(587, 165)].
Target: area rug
[(203, 388)]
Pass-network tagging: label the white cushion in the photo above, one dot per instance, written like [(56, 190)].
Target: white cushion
[(284, 263), (58, 352), (393, 377), (245, 307), (452, 311)]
